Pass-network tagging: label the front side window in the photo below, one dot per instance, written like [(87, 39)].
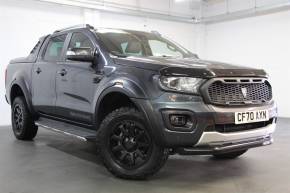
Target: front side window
[(80, 40), (54, 48)]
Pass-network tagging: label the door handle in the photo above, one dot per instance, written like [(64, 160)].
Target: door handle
[(98, 79), (38, 70), (62, 72)]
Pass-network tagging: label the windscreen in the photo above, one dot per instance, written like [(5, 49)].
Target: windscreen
[(132, 43)]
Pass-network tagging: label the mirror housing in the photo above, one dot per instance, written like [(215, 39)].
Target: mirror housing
[(81, 54)]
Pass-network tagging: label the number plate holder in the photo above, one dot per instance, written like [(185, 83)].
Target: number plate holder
[(251, 116)]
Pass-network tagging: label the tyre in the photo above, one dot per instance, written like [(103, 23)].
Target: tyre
[(230, 155), (127, 147), (22, 123)]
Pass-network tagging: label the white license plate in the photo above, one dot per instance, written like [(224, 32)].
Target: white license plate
[(251, 116)]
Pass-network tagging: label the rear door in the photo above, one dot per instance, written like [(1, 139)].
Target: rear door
[(75, 86), (43, 74)]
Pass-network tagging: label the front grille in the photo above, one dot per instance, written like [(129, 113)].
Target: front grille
[(228, 128), (239, 91)]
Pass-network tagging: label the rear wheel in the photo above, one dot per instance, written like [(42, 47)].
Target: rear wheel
[(127, 146), (22, 123), (230, 155)]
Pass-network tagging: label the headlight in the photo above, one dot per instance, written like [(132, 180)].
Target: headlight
[(181, 84)]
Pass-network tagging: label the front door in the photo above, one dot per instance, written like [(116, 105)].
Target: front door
[(75, 86)]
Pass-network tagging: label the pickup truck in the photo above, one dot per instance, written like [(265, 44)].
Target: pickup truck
[(140, 97)]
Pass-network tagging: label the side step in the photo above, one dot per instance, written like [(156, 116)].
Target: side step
[(66, 128)]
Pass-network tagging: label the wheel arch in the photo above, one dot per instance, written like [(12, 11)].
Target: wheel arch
[(112, 98), (19, 88)]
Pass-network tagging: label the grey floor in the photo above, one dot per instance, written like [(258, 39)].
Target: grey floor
[(54, 163)]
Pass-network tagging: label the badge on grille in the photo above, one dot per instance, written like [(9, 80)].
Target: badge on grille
[(245, 92)]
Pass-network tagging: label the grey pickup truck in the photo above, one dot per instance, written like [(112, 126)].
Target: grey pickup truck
[(140, 97)]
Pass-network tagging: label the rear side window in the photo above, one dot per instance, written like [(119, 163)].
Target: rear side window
[(54, 48)]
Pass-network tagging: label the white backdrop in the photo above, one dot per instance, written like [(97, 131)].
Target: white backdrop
[(262, 42), (23, 22)]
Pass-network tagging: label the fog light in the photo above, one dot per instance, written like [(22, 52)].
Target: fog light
[(178, 120)]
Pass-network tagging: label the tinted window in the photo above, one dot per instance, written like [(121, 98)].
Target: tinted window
[(54, 48), (123, 44), (80, 40), (132, 48)]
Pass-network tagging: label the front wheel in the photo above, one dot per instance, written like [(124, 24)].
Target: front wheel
[(22, 122), (127, 147), (230, 155)]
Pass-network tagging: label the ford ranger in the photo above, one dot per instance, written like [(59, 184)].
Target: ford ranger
[(140, 97)]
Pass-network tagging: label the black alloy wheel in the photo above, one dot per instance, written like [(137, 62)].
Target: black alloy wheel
[(130, 144), (18, 118), (128, 147), (23, 124)]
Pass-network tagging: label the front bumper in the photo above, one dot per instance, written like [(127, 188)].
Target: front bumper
[(226, 146), (204, 116), (216, 138)]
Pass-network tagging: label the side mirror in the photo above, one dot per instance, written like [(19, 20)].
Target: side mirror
[(81, 54)]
